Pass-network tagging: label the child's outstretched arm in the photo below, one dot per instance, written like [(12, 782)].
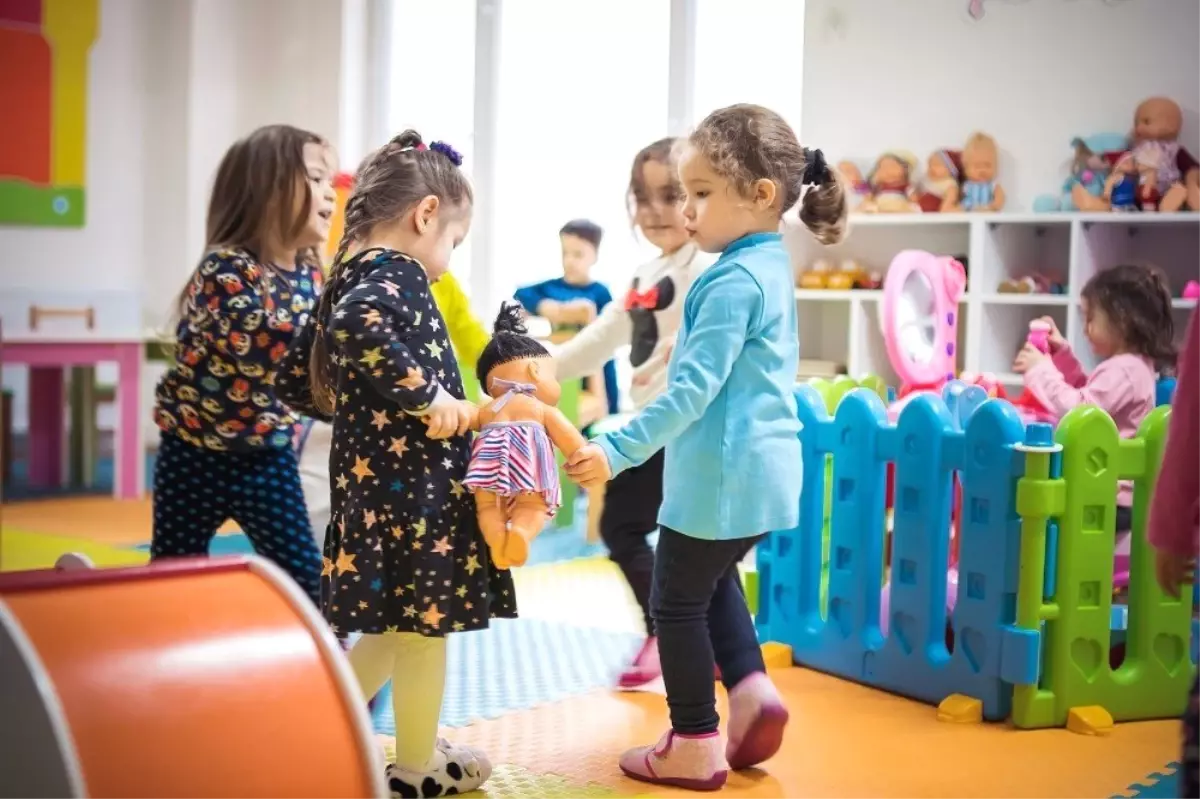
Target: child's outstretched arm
[(292, 384), (1109, 387), (726, 309), (588, 350), (1174, 508), (371, 324)]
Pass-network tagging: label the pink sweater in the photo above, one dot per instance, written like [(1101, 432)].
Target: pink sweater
[(1123, 386), (1175, 509)]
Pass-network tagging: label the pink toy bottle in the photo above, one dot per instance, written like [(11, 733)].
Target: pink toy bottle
[(1039, 335)]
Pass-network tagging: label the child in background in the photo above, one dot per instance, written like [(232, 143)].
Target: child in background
[(1174, 526), (468, 337), (728, 421), (1129, 327), (646, 320), (405, 563), (573, 300), (226, 447)]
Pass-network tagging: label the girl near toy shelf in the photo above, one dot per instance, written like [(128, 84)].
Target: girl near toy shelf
[(727, 419), (226, 446), (405, 563), (1128, 324), (646, 320), (1174, 527)]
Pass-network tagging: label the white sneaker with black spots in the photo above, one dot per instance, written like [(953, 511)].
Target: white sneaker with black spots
[(451, 771)]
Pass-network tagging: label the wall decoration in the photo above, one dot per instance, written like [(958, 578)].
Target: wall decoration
[(44, 49)]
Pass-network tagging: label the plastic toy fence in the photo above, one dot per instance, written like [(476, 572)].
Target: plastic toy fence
[(1032, 621)]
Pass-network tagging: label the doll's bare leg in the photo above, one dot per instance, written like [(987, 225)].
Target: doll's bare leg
[(1174, 199), (492, 523), (529, 514), (1086, 201), (1191, 183)]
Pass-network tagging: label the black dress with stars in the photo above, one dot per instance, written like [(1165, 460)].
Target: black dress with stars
[(403, 552)]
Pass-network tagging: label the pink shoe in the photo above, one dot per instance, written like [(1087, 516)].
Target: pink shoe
[(756, 721), (645, 666), (693, 762)]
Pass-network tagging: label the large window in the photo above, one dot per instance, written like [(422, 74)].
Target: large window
[(750, 51), (582, 87), (433, 83)]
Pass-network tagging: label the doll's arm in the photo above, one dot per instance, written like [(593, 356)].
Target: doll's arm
[(950, 200), (998, 198), (562, 432)]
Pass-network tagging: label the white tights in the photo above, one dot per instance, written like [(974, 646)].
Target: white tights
[(416, 665)]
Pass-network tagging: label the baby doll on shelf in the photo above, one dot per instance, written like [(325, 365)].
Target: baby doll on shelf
[(1154, 146), (979, 190), (512, 471), (854, 179), (940, 183), (891, 185)]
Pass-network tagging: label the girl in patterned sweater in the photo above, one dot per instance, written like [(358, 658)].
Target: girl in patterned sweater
[(404, 561), (226, 437)]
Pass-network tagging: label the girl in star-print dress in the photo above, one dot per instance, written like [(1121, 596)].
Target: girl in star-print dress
[(404, 560)]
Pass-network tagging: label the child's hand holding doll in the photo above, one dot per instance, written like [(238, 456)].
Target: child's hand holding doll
[(450, 417), (589, 466), (1030, 355)]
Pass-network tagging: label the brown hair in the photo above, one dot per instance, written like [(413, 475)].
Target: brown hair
[(661, 152), (745, 143), (254, 195), (389, 182), (1136, 300)]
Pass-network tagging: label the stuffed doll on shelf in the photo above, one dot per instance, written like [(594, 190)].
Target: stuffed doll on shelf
[(941, 180), (1154, 143), (860, 189), (891, 185), (512, 472), (979, 190), (1091, 165)]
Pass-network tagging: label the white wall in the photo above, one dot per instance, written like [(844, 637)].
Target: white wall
[(922, 74), (171, 86)]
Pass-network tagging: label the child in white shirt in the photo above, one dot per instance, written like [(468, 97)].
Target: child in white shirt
[(646, 319)]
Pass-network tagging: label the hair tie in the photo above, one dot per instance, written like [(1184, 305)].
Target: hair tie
[(445, 149), (817, 171)]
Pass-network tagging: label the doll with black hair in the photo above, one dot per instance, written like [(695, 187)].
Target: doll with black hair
[(512, 472)]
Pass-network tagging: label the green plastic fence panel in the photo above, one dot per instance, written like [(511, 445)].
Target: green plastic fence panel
[(568, 403), (1153, 680)]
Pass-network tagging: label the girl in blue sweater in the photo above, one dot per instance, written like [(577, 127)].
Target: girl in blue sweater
[(728, 422)]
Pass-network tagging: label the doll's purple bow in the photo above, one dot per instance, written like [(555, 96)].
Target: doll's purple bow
[(513, 388)]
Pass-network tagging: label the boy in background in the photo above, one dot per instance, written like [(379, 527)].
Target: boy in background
[(574, 300)]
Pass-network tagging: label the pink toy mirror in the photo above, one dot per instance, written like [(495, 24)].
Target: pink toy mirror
[(920, 317)]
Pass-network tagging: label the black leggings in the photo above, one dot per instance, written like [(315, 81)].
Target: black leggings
[(630, 514)]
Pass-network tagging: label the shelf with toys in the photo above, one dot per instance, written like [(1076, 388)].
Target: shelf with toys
[(1020, 266)]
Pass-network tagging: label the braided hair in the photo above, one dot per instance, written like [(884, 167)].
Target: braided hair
[(389, 182), (510, 342)]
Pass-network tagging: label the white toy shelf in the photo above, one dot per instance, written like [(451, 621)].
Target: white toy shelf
[(843, 326)]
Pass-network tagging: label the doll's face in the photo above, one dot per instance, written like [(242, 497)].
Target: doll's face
[(1157, 119), (890, 170), (936, 169), (979, 164)]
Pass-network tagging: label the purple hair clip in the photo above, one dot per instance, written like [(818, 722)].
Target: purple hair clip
[(445, 149)]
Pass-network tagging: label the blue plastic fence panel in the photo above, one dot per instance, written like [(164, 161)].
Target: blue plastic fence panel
[(789, 561), (915, 661)]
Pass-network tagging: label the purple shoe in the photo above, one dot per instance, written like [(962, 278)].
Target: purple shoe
[(757, 718), (693, 762), (645, 667)]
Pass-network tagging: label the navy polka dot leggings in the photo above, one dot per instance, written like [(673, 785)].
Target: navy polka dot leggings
[(196, 490)]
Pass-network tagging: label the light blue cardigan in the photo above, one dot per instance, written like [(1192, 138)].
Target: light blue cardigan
[(728, 415)]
